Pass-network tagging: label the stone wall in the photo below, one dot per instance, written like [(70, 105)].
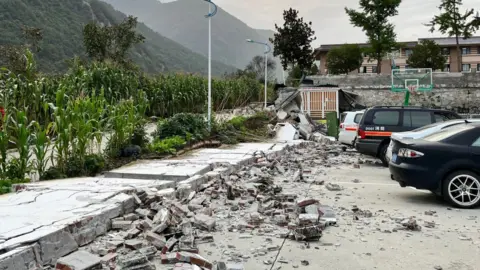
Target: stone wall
[(454, 91)]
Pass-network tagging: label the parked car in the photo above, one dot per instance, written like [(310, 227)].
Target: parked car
[(379, 122), (423, 131), (348, 127), (446, 162)]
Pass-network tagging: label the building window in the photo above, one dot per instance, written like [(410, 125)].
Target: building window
[(408, 52), (478, 67), (446, 51), (466, 67), (374, 69), (465, 50), (446, 68)]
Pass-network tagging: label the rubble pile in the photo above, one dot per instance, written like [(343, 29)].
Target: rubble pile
[(167, 226), (292, 122)]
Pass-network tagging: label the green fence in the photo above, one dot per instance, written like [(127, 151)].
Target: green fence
[(332, 124)]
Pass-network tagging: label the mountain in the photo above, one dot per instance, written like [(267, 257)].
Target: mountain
[(184, 22), (62, 24)]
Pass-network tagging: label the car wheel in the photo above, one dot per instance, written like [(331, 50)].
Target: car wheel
[(383, 155), (462, 189)]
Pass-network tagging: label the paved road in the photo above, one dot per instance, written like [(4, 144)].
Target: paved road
[(370, 243)]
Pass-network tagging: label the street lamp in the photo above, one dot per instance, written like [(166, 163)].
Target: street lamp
[(209, 16), (267, 50)]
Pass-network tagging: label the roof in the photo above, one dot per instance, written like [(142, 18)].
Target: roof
[(450, 41), (442, 41)]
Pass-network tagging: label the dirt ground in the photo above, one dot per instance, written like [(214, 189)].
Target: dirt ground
[(366, 243)]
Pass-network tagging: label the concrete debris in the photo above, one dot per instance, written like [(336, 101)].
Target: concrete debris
[(411, 224), (79, 260), (333, 187), (172, 227), (292, 122)]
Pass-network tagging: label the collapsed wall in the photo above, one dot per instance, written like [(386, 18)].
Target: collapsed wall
[(459, 92)]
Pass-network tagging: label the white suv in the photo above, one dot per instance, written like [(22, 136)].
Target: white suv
[(348, 127)]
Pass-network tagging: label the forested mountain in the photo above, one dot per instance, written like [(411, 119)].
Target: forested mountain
[(62, 23), (184, 22)]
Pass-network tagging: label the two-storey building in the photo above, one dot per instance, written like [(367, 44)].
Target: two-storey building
[(469, 48)]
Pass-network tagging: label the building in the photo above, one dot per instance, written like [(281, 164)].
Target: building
[(470, 50)]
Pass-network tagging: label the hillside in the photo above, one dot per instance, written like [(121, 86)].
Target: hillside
[(62, 22), (183, 21)]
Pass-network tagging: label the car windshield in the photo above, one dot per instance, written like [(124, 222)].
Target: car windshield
[(446, 133)]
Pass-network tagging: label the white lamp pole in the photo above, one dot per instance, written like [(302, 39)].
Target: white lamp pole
[(267, 50), (209, 16)]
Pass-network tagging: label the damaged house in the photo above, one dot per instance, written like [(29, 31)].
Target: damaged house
[(297, 108)]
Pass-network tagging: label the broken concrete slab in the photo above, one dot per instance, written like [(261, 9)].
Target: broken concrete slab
[(22, 258), (286, 132), (159, 169), (63, 216), (79, 260)]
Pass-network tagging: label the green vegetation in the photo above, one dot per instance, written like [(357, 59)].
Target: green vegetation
[(292, 42), (344, 59), (452, 22), (62, 23), (60, 122), (427, 54), (373, 18)]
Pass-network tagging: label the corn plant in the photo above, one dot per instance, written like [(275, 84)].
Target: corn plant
[(41, 143), (63, 130), (22, 140)]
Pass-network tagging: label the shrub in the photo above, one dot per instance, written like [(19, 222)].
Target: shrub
[(167, 146), (94, 164), (139, 136), (52, 173), (6, 184), (191, 127)]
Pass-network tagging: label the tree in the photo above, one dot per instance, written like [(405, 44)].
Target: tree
[(373, 19), (344, 59), (19, 59), (111, 42), (314, 70), (292, 42), (33, 36), (427, 54), (257, 67), (452, 22)]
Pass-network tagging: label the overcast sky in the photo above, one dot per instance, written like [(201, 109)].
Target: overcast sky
[(330, 22)]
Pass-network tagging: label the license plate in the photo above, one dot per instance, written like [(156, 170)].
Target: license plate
[(394, 157)]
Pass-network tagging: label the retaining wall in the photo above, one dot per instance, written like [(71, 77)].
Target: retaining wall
[(459, 92)]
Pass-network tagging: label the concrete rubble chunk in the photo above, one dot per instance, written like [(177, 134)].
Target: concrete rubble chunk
[(156, 240), (131, 217), (160, 220), (185, 266), (204, 222), (133, 244), (172, 241), (121, 224), (79, 260)]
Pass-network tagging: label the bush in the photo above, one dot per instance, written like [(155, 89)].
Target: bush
[(139, 136), (167, 146), (6, 184), (14, 169), (94, 164), (191, 127), (52, 173)]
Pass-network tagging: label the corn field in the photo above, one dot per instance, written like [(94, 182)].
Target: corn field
[(61, 120)]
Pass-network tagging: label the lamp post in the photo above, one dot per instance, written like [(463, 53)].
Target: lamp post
[(209, 16), (267, 50)]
